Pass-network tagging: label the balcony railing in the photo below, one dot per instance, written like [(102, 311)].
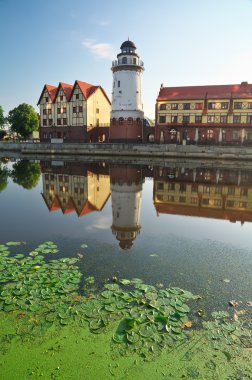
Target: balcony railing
[(129, 61)]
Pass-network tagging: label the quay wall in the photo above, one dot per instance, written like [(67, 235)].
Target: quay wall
[(131, 150)]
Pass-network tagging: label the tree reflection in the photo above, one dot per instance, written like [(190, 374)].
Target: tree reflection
[(26, 174), (4, 173)]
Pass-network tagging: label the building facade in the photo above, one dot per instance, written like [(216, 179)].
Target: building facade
[(74, 113), (127, 115), (217, 114)]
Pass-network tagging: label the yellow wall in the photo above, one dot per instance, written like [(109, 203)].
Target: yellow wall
[(98, 101)]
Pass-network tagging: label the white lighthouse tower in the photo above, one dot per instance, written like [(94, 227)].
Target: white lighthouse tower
[(127, 115)]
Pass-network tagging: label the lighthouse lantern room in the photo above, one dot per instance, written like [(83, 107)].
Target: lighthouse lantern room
[(127, 115)]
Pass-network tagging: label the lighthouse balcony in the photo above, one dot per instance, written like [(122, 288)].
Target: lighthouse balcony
[(127, 61)]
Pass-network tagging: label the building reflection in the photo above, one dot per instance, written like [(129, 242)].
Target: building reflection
[(203, 192), (126, 194), (72, 187)]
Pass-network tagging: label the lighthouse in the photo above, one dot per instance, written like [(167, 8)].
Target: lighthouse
[(127, 115), (126, 194)]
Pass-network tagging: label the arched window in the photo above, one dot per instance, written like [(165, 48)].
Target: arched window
[(124, 60), (130, 120), (114, 121), (138, 120), (151, 138), (121, 120), (102, 137)]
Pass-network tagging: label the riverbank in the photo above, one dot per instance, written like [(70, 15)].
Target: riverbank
[(131, 150)]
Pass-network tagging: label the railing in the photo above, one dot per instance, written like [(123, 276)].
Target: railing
[(130, 61)]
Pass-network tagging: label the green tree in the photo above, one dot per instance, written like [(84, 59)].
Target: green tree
[(26, 174), (4, 173), (23, 120), (2, 118)]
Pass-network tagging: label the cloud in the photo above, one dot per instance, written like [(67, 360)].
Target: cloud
[(99, 50), (102, 223)]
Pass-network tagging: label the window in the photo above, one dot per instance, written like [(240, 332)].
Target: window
[(217, 202), (118, 84), (97, 122), (206, 189), (58, 110), (182, 199), (210, 119), (230, 203), (223, 119), (244, 191), (121, 120), (114, 121), (49, 111), (64, 121), (186, 106), (162, 119), (249, 119), (209, 134), (205, 201), (218, 190), (224, 105), (46, 99), (231, 190), (174, 106), (171, 186), (97, 110), (77, 96), (199, 106), (237, 105), (182, 187), (74, 109), (130, 120), (174, 119), (198, 119), (44, 122), (171, 198), (59, 121), (134, 61), (64, 109), (44, 111), (50, 121), (250, 105), (160, 186), (186, 119), (162, 107), (120, 92), (237, 119), (194, 188), (211, 106), (235, 135), (80, 109), (243, 204), (194, 200), (124, 60), (61, 97)]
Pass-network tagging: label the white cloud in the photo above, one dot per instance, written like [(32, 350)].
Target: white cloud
[(99, 50), (102, 223)]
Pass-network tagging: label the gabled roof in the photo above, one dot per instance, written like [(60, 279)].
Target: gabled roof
[(52, 90), (243, 90), (88, 208), (88, 89), (67, 89)]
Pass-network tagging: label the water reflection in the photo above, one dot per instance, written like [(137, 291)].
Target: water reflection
[(208, 193)]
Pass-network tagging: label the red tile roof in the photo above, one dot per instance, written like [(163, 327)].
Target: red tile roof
[(88, 207), (87, 90), (243, 90)]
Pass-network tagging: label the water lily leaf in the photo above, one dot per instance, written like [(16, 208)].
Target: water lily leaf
[(95, 324), (132, 337), (146, 331), (124, 281), (113, 287), (13, 243), (119, 337), (151, 295), (107, 294)]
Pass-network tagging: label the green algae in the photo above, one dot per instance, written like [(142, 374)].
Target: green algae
[(131, 322)]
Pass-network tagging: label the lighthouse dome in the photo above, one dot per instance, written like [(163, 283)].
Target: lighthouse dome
[(129, 44)]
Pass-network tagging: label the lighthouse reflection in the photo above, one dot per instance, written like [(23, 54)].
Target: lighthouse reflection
[(84, 188), (126, 194)]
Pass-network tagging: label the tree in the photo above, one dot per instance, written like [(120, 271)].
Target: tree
[(2, 118), (4, 173), (23, 120), (26, 174)]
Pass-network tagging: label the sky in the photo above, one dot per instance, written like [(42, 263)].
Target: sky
[(182, 42)]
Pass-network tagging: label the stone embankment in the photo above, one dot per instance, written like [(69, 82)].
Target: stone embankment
[(131, 150)]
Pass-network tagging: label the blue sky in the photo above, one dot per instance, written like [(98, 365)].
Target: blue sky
[(182, 42)]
